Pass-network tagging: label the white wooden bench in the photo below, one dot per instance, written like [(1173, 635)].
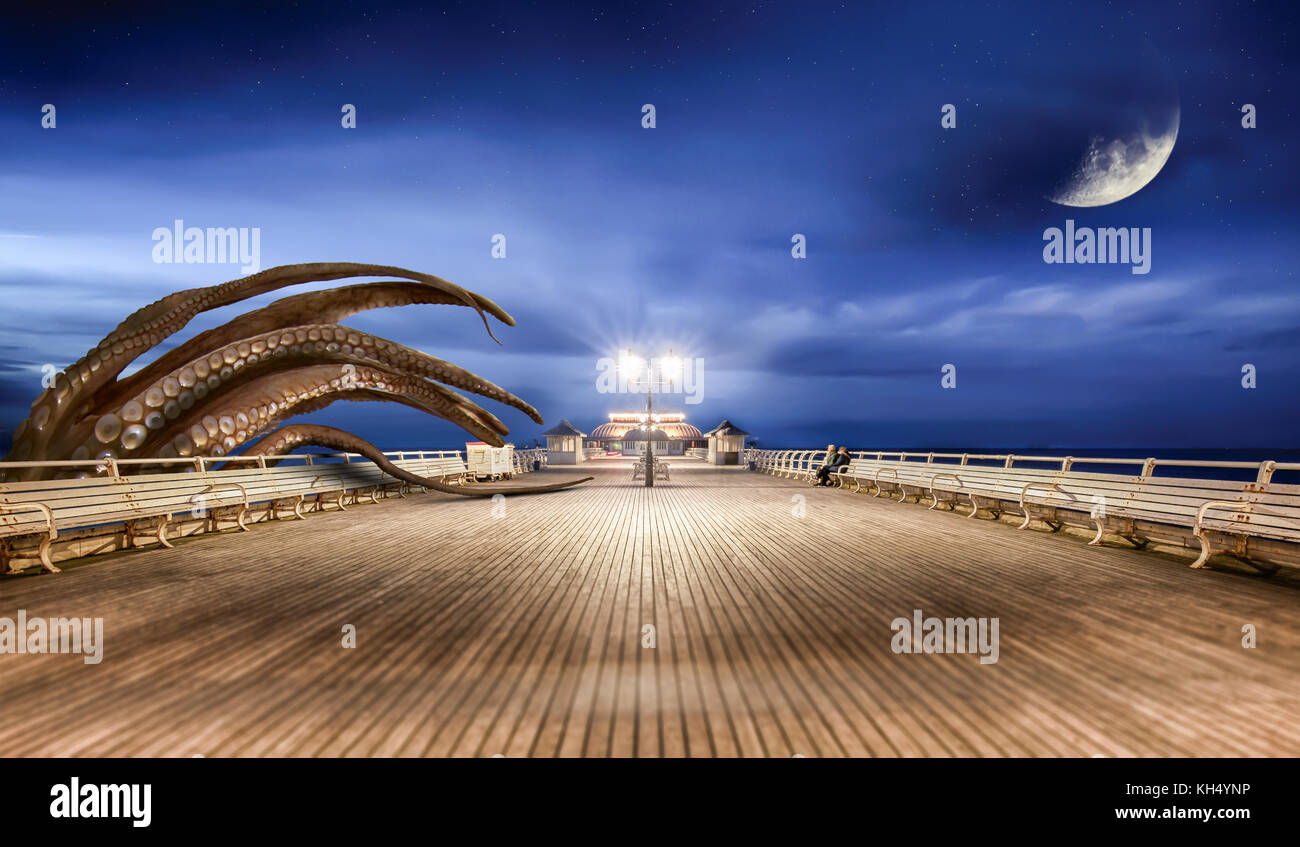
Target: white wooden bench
[(1257, 522), (50, 507), (447, 468), (130, 507), (660, 469), (881, 477)]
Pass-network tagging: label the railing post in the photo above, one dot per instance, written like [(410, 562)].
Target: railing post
[(1011, 457), (1265, 474), (1148, 466)]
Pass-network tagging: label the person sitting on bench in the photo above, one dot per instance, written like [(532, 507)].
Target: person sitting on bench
[(834, 461), (830, 457)]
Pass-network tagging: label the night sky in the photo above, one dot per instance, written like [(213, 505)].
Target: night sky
[(924, 244)]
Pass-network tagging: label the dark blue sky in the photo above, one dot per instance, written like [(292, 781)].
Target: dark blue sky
[(924, 244)]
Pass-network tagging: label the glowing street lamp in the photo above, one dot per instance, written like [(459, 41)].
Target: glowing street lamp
[(639, 370), (631, 365)]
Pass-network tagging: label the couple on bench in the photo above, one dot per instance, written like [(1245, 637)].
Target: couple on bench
[(835, 462)]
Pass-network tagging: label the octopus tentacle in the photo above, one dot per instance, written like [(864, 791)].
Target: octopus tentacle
[(223, 423), (313, 307), (117, 425), (324, 341), (227, 387), (172, 312), (310, 435), (73, 389)]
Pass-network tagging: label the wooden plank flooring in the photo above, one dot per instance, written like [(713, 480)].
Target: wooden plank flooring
[(481, 633)]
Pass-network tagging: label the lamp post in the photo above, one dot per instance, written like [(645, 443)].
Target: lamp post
[(633, 367)]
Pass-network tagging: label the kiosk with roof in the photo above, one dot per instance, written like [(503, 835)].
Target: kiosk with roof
[(726, 444), (564, 444)]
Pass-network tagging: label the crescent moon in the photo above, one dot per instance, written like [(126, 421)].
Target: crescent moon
[(1117, 168)]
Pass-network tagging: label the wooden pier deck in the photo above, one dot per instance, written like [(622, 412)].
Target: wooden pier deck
[(520, 634)]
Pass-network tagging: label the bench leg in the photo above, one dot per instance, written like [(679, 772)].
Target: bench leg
[(1050, 520), (1029, 516), (1206, 552), (975, 508), (45, 556), (162, 532), (950, 503), (1240, 552), (1127, 531), (1128, 534)]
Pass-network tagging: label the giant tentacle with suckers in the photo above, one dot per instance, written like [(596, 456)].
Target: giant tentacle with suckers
[(231, 385)]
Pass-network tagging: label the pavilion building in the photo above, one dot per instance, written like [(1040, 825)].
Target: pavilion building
[(623, 434)]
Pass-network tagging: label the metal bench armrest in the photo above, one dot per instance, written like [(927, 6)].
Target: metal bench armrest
[(52, 531)]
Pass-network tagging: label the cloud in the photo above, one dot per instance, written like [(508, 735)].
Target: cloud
[(924, 244)]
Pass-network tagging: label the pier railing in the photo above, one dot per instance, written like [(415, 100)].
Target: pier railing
[(797, 462), (1233, 507)]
